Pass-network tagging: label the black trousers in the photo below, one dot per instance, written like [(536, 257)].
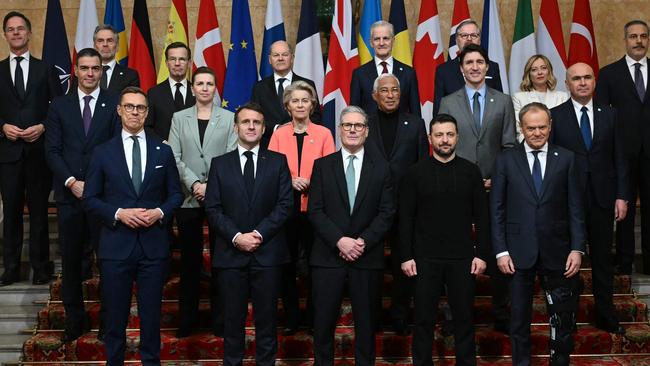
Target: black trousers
[(327, 289), (77, 230), (190, 229), (432, 276), (403, 286), (26, 180), (300, 238), (261, 284)]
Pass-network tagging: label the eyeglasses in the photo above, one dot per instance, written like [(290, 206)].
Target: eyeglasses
[(357, 126), (467, 36), (141, 108)]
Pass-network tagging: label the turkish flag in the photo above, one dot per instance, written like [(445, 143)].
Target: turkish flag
[(582, 47)]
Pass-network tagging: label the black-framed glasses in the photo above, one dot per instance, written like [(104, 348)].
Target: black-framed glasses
[(141, 108), (469, 35), (356, 126)]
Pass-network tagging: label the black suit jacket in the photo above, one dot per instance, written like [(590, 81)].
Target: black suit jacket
[(411, 144), (162, 108), (265, 92), (604, 167), (329, 211), (449, 79), (615, 87), (230, 209), (364, 77), (68, 148), (42, 86), (121, 77), (531, 227)]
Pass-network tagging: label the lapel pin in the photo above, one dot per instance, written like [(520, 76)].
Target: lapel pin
[(157, 147), (121, 73), (401, 69), (491, 100), (555, 153), (406, 122), (311, 141), (598, 109), (103, 104)]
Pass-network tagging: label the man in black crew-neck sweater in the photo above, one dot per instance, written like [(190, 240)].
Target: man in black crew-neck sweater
[(440, 199)]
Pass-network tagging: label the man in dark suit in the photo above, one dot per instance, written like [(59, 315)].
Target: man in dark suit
[(268, 91), (76, 123), (351, 209), (248, 201), (538, 228), (27, 85), (115, 77), (132, 187), (173, 94), (598, 146), (449, 77), (624, 85), (401, 139), (382, 35)]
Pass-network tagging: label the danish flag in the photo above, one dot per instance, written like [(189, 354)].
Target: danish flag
[(208, 50)]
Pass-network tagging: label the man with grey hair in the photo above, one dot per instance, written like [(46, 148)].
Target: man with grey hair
[(382, 36), (449, 79), (115, 77), (401, 139), (349, 236)]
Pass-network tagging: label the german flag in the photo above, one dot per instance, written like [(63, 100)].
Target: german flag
[(141, 56)]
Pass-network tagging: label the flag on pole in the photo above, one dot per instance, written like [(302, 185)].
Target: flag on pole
[(308, 58), (86, 24), (177, 31), (461, 13), (582, 46), (550, 39), (273, 31), (523, 43), (114, 17), (491, 39), (241, 74), (371, 13), (141, 58), (402, 43), (427, 56), (342, 59), (208, 49), (56, 51)]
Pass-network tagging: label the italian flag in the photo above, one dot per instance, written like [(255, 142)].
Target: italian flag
[(523, 44)]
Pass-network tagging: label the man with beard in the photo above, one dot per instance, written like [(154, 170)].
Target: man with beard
[(440, 199)]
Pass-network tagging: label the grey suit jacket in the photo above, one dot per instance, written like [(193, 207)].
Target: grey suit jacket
[(497, 128), (192, 158)]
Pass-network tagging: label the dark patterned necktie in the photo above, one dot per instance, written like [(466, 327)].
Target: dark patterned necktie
[(103, 82), (638, 81), (19, 79), (87, 115)]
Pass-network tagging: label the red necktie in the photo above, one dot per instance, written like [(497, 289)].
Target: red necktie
[(384, 64)]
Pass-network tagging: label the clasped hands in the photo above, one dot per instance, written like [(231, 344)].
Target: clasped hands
[(351, 249), (29, 134), (198, 191), (139, 217), (248, 242)]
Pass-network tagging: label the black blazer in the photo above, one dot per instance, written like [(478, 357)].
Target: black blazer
[(68, 148), (529, 227), (615, 87), (162, 108), (121, 77), (604, 166), (364, 77), (230, 209), (329, 211), (265, 93), (41, 88), (449, 79), (411, 144)]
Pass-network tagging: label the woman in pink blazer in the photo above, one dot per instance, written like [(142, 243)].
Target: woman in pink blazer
[(302, 142)]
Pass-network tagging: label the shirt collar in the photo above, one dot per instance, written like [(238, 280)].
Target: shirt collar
[(111, 64), (25, 55), (241, 150), (389, 61), (470, 91), (529, 149), (358, 154), (126, 134), (630, 61), (288, 76), (94, 94), (173, 82), (578, 106)]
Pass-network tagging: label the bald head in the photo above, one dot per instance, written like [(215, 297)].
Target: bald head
[(581, 82), (281, 57)]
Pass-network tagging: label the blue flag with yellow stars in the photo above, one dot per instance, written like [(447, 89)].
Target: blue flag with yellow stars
[(241, 73)]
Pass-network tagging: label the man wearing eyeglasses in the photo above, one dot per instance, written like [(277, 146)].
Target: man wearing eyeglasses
[(173, 94), (132, 187), (248, 200), (449, 78), (351, 207), (76, 123), (624, 85)]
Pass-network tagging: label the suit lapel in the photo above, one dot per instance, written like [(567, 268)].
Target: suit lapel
[(193, 125), (374, 130), (463, 105), (551, 163), (339, 176), (521, 159), (364, 181), (123, 167), (215, 120), (99, 115), (115, 74), (402, 125), (153, 150), (598, 126), (488, 112), (6, 74), (77, 123), (236, 173), (32, 76), (260, 174)]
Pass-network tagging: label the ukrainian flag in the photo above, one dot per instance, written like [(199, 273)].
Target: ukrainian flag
[(401, 44), (114, 17), (370, 14)]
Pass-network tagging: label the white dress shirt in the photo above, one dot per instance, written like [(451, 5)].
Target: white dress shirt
[(242, 162), (644, 67), (380, 68), (82, 103), (288, 78), (183, 88), (358, 163), (109, 71), (577, 107), (24, 64)]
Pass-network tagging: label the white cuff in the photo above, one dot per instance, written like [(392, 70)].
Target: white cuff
[(502, 254)]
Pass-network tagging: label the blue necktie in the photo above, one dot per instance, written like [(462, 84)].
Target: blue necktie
[(585, 128), (537, 172), (350, 174)]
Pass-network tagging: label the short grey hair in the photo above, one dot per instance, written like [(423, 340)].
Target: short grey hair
[(467, 22), (375, 85), (382, 23), (534, 107), (296, 86), (102, 27), (353, 109), (634, 22)]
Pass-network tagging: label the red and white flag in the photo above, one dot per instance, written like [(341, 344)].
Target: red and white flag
[(583, 40), (550, 39), (461, 13), (208, 49), (86, 24), (427, 55)]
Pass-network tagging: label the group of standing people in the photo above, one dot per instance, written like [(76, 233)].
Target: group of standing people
[(277, 194)]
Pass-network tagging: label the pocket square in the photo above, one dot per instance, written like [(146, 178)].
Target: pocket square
[(158, 166)]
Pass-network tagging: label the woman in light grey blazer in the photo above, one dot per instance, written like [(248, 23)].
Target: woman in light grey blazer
[(197, 135), (537, 85)]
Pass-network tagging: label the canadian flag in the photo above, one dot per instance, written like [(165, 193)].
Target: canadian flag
[(583, 41), (208, 49), (550, 39), (427, 55), (461, 14)]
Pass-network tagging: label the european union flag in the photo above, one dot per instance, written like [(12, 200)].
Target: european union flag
[(241, 73), (56, 51)]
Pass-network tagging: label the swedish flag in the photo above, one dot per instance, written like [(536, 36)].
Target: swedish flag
[(114, 17), (370, 14)]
